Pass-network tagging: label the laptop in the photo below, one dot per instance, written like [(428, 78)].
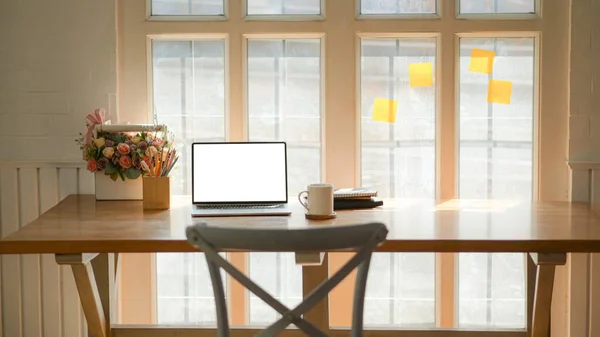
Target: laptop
[(239, 179)]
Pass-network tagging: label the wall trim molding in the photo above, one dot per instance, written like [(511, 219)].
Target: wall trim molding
[(42, 164), (583, 165)]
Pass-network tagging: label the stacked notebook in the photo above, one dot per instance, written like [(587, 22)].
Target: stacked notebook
[(355, 198)]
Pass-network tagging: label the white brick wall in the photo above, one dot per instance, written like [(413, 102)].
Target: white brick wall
[(57, 64), (584, 146), (584, 120)]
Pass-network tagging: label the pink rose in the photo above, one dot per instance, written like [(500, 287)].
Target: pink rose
[(125, 161), (159, 142), (147, 160), (92, 165), (123, 148)]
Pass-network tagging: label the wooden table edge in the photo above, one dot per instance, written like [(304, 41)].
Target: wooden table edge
[(8, 246)]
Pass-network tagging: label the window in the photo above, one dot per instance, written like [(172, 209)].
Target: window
[(312, 73), (184, 292), (397, 7), (187, 7), (398, 160), (283, 7), (284, 103), (496, 162), (281, 277), (189, 97), (498, 6)]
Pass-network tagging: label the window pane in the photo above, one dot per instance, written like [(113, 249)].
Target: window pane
[(281, 277), (284, 7), (183, 289), (497, 6), (398, 160), (189, 97), (284, 103), (187, 7), (491, 288), (401, 290), (398, 6), (496, 162)]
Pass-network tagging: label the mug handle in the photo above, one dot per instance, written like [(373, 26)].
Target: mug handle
[(300, 199)]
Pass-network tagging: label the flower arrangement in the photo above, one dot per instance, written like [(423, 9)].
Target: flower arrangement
[(126, 155)]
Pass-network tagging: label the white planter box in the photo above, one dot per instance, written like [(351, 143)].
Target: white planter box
[(107, 189)]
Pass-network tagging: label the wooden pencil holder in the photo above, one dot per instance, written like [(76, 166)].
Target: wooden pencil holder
[(157, 192)]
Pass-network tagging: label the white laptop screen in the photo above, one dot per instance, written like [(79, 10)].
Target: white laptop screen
[(239, 172)]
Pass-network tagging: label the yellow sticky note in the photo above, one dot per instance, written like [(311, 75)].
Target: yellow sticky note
[(421, 74), (384, 110), (482, 61), (499, 91)]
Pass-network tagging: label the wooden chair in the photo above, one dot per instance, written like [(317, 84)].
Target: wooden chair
[(362, 238)]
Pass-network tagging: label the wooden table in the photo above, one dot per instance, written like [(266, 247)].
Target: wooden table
[(88, 235)]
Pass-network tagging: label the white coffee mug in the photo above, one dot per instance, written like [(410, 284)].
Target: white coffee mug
[(320, 199)]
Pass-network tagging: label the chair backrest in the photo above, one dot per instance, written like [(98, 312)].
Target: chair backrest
[(285, 239)]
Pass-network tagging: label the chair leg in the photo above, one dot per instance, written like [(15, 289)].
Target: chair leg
[(359, 297), (219, 292)]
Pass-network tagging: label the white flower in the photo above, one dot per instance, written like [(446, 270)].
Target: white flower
[(108, 152), (99, 142), (151, 151)]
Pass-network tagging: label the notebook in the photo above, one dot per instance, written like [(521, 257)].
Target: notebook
[(354, 193), (235, 179), (345, 203)]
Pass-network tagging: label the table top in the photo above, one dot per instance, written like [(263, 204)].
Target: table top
[(80, 224)]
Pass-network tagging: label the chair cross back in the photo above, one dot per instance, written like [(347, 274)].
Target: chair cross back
[(362, 238)]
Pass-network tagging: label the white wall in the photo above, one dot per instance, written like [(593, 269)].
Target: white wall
[(584, 119), (578, 284), (57, 64)]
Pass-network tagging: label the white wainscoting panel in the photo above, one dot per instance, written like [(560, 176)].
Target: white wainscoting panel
[(38, 298), (584, 269), (594, 314)]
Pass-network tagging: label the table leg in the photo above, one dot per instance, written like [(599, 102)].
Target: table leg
[(115, 318), (546, 264), (312, 276), (104, 266), (95, 297), (530, 276)]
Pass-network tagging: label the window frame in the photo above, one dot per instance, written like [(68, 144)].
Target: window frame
[(150, 38), (536, 36), (402, 16), (283, 17), (135, 104), (187, 18), (245, 87), (536, 15), (437, 84)]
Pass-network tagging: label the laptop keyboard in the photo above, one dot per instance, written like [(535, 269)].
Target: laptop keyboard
[(241, 206)]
